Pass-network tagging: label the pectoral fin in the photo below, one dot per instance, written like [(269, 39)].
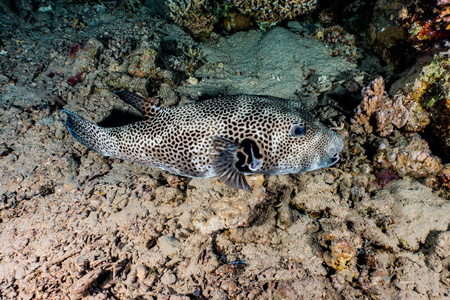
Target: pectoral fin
[(225, 156)]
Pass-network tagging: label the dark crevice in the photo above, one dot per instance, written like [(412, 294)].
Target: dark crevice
[(436, 145)]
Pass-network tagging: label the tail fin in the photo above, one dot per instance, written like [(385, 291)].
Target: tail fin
[(92, 136)]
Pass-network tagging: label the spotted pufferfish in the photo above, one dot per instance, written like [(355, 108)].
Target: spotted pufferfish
[(227, 137)]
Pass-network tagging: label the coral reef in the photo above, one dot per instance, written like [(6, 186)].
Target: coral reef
[(444, 177), (427, 24), (428, 97), (386, 36), (266, 13), (341, 43), (400, 28), (411, 156), (79, 63), (379, 111), (199, 16), (78, 225), (418, 116), (444, 13), (194, 15), (436, 99), (234, 21)]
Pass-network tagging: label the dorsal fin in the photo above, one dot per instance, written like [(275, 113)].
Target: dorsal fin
[(146, 108)]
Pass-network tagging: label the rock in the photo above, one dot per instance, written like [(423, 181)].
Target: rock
[(217, 206), (168, 246), (415, 212), (168, 278), (142, 62)]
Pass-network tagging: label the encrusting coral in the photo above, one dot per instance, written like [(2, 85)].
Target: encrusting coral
[(410, 157), (380, 112)]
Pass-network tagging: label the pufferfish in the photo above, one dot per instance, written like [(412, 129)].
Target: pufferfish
[(225, 137)]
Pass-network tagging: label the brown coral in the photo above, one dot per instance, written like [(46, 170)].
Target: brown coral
[(379, 110)]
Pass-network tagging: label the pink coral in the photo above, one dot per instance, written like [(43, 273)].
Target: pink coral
[(73, 50), (75, 79), (385, 176)]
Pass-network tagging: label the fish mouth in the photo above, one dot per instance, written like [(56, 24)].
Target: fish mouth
[(337, 150), (334, 159), (327, 162), (331, 159)]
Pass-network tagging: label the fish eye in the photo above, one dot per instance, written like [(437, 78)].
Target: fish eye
[(298, 130)]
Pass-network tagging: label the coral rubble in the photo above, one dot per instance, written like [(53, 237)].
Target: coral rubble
[(223, 207), (379, 110), (342, 246)]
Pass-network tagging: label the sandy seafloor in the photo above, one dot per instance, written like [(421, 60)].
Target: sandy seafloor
[(75, 224)]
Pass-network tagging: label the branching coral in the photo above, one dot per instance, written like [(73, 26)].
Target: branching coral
[(267, 12), (410, 157), (195, 15), (379, 110), (198, 15)]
